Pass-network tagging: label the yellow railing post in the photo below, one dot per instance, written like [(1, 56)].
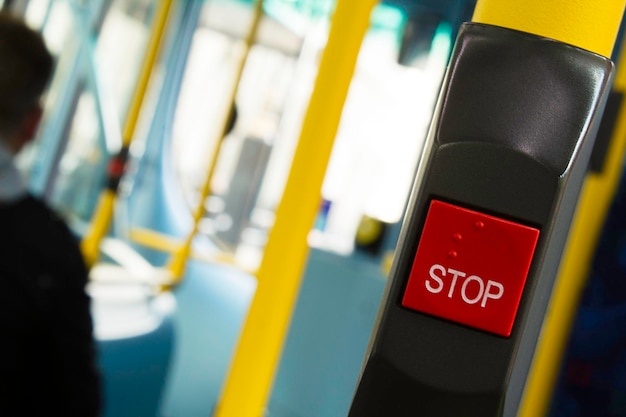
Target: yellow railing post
[(181, 255), (591, 25), (587, 24), (248, 385), (103, 214), (593, 207)]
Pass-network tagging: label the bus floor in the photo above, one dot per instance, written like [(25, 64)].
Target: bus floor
[(174, 362)]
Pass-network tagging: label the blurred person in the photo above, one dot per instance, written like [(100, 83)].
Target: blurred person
[(47, 353)]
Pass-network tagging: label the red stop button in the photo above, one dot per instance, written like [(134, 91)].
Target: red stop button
[(470, 268)]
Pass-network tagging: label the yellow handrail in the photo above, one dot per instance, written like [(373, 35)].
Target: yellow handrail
[(248, 384), (103, 215), (181, 255), (592, 25), (588, 24), (593, 207)]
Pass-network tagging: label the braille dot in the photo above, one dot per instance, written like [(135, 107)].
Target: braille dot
[(479, 225), (452, 254), (457, 237)]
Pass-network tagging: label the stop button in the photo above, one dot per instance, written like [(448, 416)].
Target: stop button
[(470, 268)]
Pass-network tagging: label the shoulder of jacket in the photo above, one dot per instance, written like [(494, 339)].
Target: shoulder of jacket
[(38, 229)]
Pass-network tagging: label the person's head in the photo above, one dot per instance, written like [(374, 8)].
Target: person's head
[(25, 69)]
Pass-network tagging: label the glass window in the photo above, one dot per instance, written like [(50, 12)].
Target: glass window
[(264, 96), (383, 127), (119, 51)]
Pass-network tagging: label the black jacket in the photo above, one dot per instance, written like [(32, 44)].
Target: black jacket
[(47, 355)]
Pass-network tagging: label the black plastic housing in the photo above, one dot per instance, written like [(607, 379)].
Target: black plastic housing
[(511, 136)]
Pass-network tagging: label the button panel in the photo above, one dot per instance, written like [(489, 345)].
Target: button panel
[(470, 268)]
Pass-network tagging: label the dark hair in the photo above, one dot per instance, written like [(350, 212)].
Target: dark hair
[(25, 69)]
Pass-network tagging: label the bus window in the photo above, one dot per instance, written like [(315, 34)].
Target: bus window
[(264, 90), (382, 131), (118, 54)]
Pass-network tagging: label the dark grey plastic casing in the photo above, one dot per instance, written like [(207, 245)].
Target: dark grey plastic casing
[(511, 136)]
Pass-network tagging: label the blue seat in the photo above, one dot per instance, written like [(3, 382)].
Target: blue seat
[(134, 328)]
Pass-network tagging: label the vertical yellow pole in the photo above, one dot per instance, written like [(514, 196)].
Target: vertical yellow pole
[(587, 24), (103, 215), (591, 25), (249, 382), (181, 255), (593, 207)]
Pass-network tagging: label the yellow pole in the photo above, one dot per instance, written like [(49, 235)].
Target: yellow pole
[(158, 241), (101, 220), (591, 25), (182, 254), (593, 206), (249, 382), (588, 24)]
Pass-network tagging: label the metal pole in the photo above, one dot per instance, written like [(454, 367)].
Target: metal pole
[(591, 25), (249, 382), (104, 211), (593, 206), (181, 255)]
